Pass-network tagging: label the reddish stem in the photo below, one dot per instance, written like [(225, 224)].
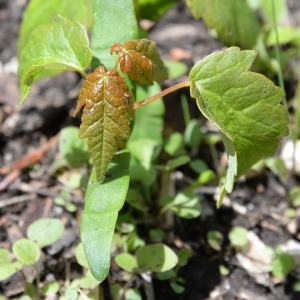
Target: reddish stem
[(162, 94)]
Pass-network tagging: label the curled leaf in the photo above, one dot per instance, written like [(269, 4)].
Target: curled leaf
[(140, 60), (108, 107)]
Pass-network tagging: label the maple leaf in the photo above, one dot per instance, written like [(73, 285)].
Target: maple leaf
[(140, 60), (108, 108)]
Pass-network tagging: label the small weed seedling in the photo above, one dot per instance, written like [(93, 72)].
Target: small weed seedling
[(245, 106), (27, 251)]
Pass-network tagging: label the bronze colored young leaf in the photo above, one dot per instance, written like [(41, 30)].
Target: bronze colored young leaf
[(108, 107), (140, 60)]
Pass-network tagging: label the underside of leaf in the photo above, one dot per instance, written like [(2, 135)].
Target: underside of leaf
[(244, 105), (108, 107), (140, 60)]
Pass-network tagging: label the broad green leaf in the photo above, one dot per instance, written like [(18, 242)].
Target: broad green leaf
[(245, 106), (59, 45), (108, 106), (149, 119), (26, 251), (8, 267), (144, 150), (234, 21), (156, 258), (72, 148), (102, 203), (113, 22), (148, 125), (286, 35), (127, 262), (80, 10), (45, 231), (281, 10), (140, 60), (153, 9)]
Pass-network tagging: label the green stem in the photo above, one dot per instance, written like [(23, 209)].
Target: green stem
[(162, 94), (278, 56)]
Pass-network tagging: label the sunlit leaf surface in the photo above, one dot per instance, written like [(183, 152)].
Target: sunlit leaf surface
[(244, 105), (140, 60), (108, 107)]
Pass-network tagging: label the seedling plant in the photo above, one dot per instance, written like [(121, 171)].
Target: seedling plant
[(120, 98)]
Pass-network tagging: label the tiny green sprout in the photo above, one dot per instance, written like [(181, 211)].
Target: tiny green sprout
[(215, 239), (238, 237), (283, 264)]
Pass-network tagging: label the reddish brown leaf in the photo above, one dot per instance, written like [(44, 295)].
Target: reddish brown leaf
[(140, 60), (108, 107)]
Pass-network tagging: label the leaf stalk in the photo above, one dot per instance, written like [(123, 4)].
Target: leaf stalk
[(162, 94)]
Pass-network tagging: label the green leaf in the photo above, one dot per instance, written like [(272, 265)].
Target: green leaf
[(175, 144), (281, 10), (102, 203), (238, 236), (175, 68), (234, 21), (215, 239), (59, 45), (26, 251), (80, 256), (140, 60), (156, 258), (177, 162), (245, 106), (127, 262), (186, 206), (198, 165), (8, 268), (50, 288), (72, 148), (283, 265), (294, 196), (136, 200), (144, 150), (192, 134), (183, 256), (154, 9), (80, 12), (148, 121), (113, 22), (285, 34), (178, 288), (45, 231), (278, 167), (87, 282), (108, 107)]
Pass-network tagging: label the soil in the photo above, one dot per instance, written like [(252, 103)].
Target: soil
[(27, 194)]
